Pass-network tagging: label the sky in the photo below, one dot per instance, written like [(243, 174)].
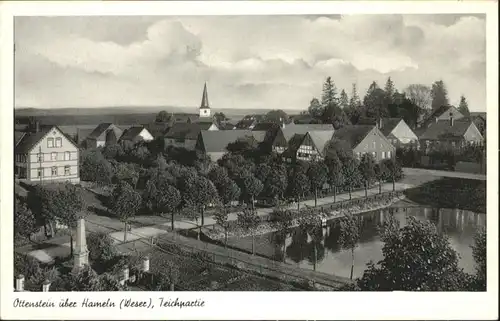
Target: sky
[(269, 62)]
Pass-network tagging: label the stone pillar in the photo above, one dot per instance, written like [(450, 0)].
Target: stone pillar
[(80, 253), (46, 286), (20, 283)]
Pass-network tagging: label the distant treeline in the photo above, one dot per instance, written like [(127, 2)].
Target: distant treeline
[(124, 119)]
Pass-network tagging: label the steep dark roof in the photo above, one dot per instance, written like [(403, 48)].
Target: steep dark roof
[(443, 130), (29, 140), (17, 136), (216, 141), (184, 131), (131, 133), (353, 134), (204, 99), (293, 145), (205, 124), (226, 126), (302, 129), (388, 124), (101, 128), (245, 123), (320, 138), (265, 126), (157, 129)]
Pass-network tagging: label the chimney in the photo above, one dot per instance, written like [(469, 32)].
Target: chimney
[(46, 286), (37, 126), (451, 119), (20, 283), (282, 121), (380, 123)]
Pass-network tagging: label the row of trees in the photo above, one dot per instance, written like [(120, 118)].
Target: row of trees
[(416, 102)]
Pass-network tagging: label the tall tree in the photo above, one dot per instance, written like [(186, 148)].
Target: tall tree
[(249, 221), (202, 192), (367, 170), (439, 95), (318, 174), (220, 118), (310, 223), (40, 202), (389, 91), (344, 100), (162, 117), (276, 182), (282, 220), (463, 107), (222, 218), (381, 174), (329, 93), (394, 171), (351, 174), (420, 95), (125, 203), (355, 107), (350, 227), (416, 258), (250, 188), (335, 173), (277, 116), (95, 168), (315, 109), (374, 102), (162, 197), (228, 191), (298, 185)]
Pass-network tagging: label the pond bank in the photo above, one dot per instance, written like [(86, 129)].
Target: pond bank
[(216, 233)]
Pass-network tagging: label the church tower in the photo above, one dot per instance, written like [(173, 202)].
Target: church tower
[(204, 107)]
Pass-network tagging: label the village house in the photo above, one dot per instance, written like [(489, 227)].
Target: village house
[(46, 154), (364, 139), (395, 130), (214, 143), (479, 119), (308, 147), (184, 135), (103, 134), (136, 134), (441, 113), (451, 134), (279, 140)]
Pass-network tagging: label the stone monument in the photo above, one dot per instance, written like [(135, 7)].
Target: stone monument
[(80, 253)]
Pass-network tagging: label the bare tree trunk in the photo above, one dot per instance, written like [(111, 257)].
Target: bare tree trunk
[(393, 183), (284, 249), (334, 194), (352, 264), (315, 197), (350, 196), (253, 203), (253, 243), (315, 258), (172, 219), (366, 189), (172, 286), (202, 215), (71, 242), (125, 233), (225, 237), (298, 204), (380, 187)]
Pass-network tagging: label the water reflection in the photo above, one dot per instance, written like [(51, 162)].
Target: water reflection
[(459, 225)]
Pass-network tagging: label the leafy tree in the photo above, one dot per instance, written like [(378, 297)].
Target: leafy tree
[(126, 172), (172, 274), (218, 175), (125, 203), (140, 154), (100, 246), (40, 202), (220, 118), (276, 182), (416, 258), (479, 255), (112, 151), (202, 192), (338, 148), (67, 208), (298, 185), (25, 222), (262, 171), (420, 95), (160, 196), (162, 117), (351, 174), (282, 220), (108, 282), (315, 109), (381, 174), (344, 100), (350, 227), (335, 173), (191, 211), (317, 174), (355, 106), (463, 107), (249, 222), (277, 116), (394, 171), (311, 224), (221, 217), (95, 168), (367, 170), (374, 102), (86, 280), (439, 95), (250, 187), (228, 192)]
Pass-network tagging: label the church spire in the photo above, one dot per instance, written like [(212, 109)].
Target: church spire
[(204, 99)]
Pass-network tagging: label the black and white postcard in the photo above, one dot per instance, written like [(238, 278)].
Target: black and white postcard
[(249, 160)]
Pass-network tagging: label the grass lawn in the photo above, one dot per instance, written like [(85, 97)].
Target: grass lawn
[(461, 193)]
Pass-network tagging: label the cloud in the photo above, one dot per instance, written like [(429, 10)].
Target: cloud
[(249, 61)]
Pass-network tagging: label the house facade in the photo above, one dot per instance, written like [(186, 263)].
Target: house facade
[(451, 134), (281, 138), (308, 147), (102, 135), (47, 155), (366, 139), (136, 134)]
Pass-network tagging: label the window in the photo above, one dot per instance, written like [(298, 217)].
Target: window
[(50, 142), (66, 170), (54, 171), (374, 154), (67, 156), (39, 157), (358, 155), (58, 142), (453, 144), (389, 154), (374, 144), (53, 156), (383, 155), (39, 172)]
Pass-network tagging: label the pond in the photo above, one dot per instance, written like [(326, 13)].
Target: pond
[(458, 225)]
